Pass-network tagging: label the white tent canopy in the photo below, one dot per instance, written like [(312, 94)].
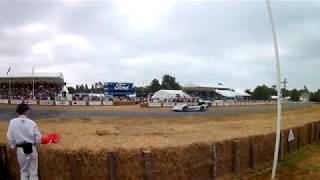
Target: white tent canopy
[(168, 94)]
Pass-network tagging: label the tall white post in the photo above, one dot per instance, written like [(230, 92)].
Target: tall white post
[(275, 45), (33, 82)]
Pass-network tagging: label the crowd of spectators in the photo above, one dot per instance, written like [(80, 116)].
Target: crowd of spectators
[(42, 91)]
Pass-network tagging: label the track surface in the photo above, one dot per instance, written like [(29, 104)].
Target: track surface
[(8, 113)]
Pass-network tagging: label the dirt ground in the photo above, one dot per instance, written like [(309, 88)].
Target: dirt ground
[(101, 133)]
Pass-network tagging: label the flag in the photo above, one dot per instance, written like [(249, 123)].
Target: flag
[(9, 70)]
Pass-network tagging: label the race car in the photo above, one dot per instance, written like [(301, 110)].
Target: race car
[(183, 107)]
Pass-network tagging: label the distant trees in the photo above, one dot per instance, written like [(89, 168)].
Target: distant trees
[(315, 97), (262, 93), (295, 95), (169, 82)]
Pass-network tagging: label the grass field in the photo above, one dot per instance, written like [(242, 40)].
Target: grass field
[(300, 165), (96, 133)]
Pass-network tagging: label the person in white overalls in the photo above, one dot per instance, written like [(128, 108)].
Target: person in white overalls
[(23, 135)]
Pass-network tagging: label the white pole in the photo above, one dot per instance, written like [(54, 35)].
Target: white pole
[(275, 45), (33, 82)]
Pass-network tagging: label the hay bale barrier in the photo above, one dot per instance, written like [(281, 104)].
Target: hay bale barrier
[(206, 160)]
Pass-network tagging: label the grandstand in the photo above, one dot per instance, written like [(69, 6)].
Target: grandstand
[(41, 86)]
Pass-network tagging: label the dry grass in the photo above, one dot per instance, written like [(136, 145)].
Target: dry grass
[(96, 133)]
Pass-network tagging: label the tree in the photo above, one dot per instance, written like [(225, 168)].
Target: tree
[(262, 93), (295, 95), (169, 82), (248, 91), (315, 97), (154, 86), (71, 90)]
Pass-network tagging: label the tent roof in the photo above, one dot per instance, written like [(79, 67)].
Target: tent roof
[(165, 94)]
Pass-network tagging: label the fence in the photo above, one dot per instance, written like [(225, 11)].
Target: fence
[(195, 161)]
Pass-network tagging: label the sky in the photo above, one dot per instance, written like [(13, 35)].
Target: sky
[(201, 42)]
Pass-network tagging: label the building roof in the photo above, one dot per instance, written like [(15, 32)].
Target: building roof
[(228, 93), (37, 76)]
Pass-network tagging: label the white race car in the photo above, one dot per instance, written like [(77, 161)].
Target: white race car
[(183, 107)]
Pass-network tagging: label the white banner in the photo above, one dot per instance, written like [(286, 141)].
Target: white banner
[(79, 103), (95, 103), (168, 104), (62, 103), (31, 101), (154, 104), (46, 102), (107, 103), (15, 101), (4, 101)]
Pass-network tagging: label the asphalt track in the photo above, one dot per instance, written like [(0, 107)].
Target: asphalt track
[(7, 113)]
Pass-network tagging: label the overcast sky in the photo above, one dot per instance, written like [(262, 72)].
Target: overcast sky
[(205, 42)]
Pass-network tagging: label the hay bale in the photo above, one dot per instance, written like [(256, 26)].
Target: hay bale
[(129, 164), (225, 157), (187, 162), (244, 154)]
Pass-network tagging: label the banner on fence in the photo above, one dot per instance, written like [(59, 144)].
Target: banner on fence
[(79, 103), (4, 101), (168, 104), (62, 103), (107, 103), (46, 102), (291, 136), (154, 104), (95, 103), (31, 102), (16, 101)]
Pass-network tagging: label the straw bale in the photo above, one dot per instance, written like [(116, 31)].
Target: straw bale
[(187, 162), (129, 164), (304, 135), (225, 157), (244, 154)]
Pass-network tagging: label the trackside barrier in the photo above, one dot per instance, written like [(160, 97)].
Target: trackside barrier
[(168, 104), (95, 103), (154, 104), (107, 103), (32, 102), (79, 103), (62, 103), (4, 101), (46, 102), (14, 101)]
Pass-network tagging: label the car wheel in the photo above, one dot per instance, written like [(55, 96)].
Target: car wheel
[(184, 109), (202, 109)]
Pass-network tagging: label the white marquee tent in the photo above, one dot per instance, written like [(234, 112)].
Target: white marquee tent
[(168, 94)]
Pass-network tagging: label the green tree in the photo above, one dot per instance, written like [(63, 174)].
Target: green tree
[(154, 86), (295, 95), (262, 93), (248, 91), (315, 97), (169, 82), (71, 90)]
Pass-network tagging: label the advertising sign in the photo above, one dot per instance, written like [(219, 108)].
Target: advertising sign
[(46, 102), (4, 101), (62, 103), (118, 89)]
